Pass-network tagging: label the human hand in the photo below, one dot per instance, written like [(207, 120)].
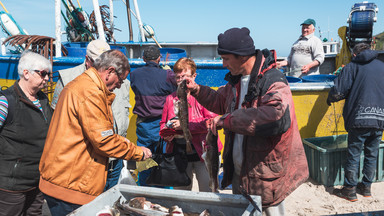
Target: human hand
[(169, 138), (280, 64), (214, 124), (147, 152), (329, 102), (305, 69), (175, 124), (191, 85)]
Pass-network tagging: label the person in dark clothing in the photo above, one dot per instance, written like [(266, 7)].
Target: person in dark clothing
[(360, 84), (263, 152), (151, 85), (25, 115)]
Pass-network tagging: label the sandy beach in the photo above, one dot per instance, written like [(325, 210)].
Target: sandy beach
[(315, 199)]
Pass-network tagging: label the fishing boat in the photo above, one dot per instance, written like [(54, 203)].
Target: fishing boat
[(314, 117)]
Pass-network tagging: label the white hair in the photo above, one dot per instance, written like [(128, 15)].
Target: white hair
[(32, 61)]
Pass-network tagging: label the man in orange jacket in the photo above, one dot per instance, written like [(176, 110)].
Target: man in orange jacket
[(81, 138)]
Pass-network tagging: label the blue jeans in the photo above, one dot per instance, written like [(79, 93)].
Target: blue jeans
[(114, 169), (60, 207), (148, 136), (369, 139)]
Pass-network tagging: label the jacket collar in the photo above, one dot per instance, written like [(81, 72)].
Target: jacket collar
[(94, 75), (24, 98), (152, 64)]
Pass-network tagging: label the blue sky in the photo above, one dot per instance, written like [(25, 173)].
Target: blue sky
[(274, 24)]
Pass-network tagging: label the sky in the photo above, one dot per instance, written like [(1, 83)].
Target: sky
[(274, 24)]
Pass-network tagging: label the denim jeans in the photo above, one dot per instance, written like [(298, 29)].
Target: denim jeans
[(60, 207), (148, 136), (359, 139), (114, 170)]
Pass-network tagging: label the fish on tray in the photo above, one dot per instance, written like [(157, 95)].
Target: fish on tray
[(139, 206)]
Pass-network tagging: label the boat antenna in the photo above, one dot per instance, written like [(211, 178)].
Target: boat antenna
[(5, 9)]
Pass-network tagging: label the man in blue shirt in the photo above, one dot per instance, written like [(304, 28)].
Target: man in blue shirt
[(151, 85)]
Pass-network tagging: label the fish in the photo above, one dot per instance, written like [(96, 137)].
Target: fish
[(183, 114), (177, 211), (139, 206), (211, 158), (125, 209)]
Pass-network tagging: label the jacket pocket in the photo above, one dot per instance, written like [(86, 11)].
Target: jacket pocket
[(266, 159), (89, 174)]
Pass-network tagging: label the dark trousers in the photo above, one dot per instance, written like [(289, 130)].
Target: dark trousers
[(60, 207), (359, 139), (114, 170), (21, 203)]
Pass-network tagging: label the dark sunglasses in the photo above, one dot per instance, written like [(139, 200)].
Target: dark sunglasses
[(42, 73)]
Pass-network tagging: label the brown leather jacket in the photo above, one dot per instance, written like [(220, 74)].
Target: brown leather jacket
[(274, 161), (80, 140)]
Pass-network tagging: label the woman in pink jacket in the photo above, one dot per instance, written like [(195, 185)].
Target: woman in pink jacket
[(171, 131)]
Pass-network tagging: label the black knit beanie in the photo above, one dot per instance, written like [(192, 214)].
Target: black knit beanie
[(236, 41)]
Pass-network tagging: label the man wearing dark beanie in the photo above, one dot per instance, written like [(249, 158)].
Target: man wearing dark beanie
[(263, 150)]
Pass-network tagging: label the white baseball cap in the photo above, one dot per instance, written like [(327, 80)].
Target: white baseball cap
[(96, 47)]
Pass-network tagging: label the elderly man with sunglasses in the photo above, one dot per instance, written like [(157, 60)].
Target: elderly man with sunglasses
[(82, 138), (120, 106), (25, 116)]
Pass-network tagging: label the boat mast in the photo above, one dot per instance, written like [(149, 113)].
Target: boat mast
[(129, 21), (58, 27), (139, 20), (99, 24), (111, 19)]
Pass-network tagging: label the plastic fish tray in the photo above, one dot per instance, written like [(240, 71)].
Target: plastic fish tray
[(326, 158), (189, 201)]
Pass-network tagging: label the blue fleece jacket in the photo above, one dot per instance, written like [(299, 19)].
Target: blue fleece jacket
[(360, 83), (151, 85)]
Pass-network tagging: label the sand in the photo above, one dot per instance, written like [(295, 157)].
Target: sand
[(314, 199)]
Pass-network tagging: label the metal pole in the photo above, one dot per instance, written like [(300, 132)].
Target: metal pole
[(111, 17), (129, 21), (58, 27), (130, 27), (139, 20), (99, 23)]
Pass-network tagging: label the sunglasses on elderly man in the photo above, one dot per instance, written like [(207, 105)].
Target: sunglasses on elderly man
[(42, 73)]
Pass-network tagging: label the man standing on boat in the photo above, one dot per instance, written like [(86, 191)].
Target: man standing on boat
[(81, 137), (360, 83), (263, 152), (120, 106), (151, 85), (307, 53)]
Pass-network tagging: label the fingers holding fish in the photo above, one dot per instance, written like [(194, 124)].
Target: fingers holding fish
[(191, 85), (215, 124)]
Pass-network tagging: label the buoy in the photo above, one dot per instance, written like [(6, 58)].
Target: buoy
[(9, 24), (150, 33)]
